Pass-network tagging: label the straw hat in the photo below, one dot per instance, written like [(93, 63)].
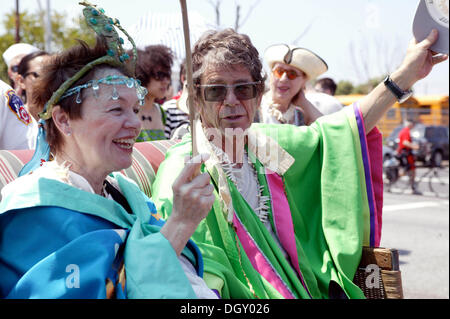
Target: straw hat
[(18, 49), (301, 58)]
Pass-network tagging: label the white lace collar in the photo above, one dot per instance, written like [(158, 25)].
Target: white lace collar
[(266, 150), (62, 173), (271, 114)]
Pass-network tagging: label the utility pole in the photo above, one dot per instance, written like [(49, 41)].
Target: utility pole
[(17, 39), (48, 28)]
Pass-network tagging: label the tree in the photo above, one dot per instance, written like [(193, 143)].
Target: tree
[(239, 18), (32, 32), (303, 33), (386, 53), (369, 85), (344, 88)]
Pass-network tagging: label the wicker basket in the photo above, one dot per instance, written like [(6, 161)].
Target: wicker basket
[(378, 274)]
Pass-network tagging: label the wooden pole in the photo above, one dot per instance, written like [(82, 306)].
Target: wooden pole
[(190, 82), (17, 38), (48, 28)]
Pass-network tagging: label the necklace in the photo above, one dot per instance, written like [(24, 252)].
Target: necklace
[(248, 176), (292, 115), (283, 118)]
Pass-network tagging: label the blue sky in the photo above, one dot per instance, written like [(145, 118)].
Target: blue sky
[(357, 38)]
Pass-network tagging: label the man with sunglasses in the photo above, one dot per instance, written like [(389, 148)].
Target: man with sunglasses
[(287, 102), (294, 205), (31, 67), (12, 57)]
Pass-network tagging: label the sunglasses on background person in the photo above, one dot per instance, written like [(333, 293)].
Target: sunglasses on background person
[(291, 74), (159, 76), (15, 68), (218, 92)]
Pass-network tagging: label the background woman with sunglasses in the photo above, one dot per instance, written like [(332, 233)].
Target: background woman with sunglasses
[(285, 102), (29, 70), (153, 69)]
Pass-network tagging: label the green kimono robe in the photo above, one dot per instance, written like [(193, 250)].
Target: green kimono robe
[(323, 209)]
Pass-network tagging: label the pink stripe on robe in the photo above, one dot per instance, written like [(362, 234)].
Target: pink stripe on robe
[(283, 220), (259, 261)]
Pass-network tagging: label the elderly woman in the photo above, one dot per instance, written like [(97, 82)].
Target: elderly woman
[(153, 69), (294, 205), (74, 228), (287, 101), (29, 70)]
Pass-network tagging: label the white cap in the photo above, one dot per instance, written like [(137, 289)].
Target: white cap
[(432, 14), (301, 58), (17, 49)]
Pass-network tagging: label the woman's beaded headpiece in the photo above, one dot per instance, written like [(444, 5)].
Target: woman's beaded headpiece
[(105, 27), (110, 80), (116, 56)]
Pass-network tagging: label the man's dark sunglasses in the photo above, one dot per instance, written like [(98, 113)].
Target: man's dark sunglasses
[(15, 68), (159, 76), (218, 92)]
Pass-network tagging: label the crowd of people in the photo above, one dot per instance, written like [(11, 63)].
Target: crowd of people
[(164, 115), (278, 203)]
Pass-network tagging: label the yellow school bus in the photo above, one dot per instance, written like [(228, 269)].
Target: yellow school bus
[(427, 109)]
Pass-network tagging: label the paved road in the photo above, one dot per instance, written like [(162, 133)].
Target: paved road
[(418, 226), (431, 183)]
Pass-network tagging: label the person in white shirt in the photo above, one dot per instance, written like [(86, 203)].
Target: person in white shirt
[(17, 130), (324, 102)]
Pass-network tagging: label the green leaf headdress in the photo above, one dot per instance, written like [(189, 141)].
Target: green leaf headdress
[(105, 27)]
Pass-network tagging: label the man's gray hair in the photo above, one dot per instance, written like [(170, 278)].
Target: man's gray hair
[(226, 49)]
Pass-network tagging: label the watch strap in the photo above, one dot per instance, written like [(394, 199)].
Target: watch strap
[(400, 94)]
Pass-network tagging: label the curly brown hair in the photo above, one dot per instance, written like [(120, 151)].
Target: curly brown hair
[(61, 67), (225, 49), (152, 59)]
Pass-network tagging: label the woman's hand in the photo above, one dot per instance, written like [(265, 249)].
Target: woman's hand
[(310, 112), (299, 99), (192, 200)]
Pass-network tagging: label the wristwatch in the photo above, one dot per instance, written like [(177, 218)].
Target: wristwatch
[(401, 95)]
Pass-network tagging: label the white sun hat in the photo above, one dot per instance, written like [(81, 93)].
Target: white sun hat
[(301, 58), (18, 49), (432, 14)]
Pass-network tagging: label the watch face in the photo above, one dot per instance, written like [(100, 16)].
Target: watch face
[(438, 10), (405, 97)]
